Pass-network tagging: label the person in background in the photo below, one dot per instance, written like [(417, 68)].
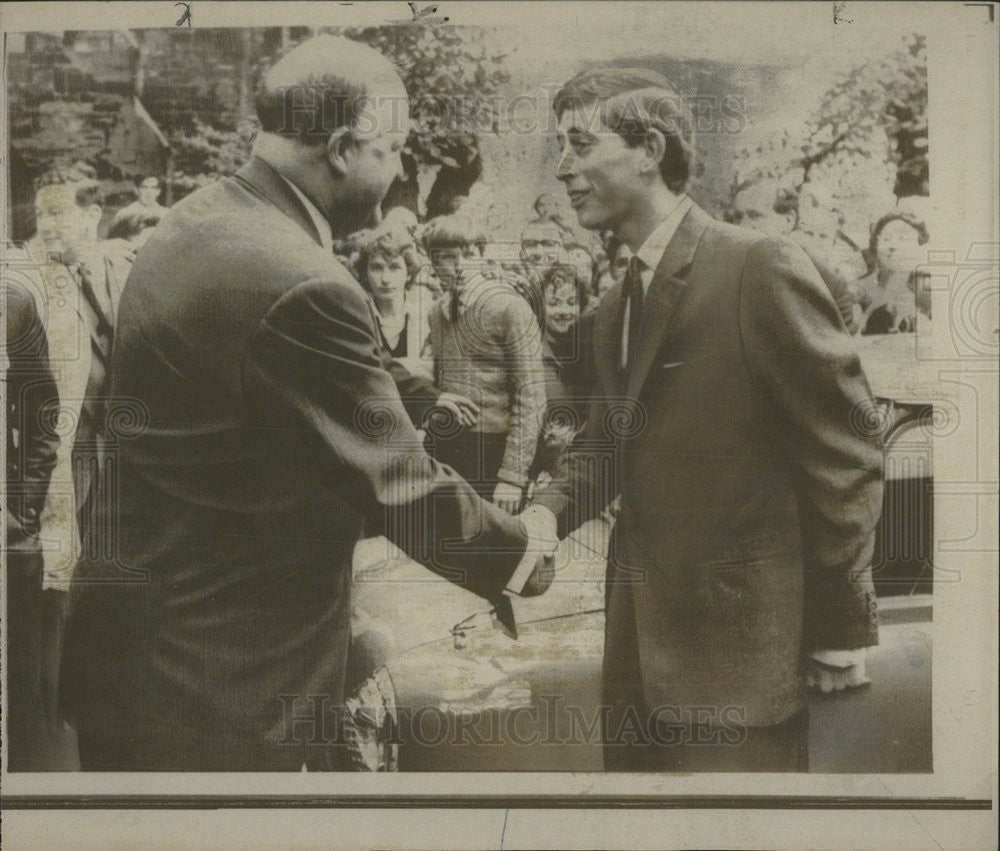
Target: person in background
[(568, 381), (893, 293), (403, 217), (146, 207), (766, 206), (542, 247), (579, 257), (84, 278), (486, 343), (387, 266), (31, 398), (547, 209)]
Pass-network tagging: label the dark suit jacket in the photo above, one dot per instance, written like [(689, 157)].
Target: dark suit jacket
[(750, 488), (274, 431), (32, 443)]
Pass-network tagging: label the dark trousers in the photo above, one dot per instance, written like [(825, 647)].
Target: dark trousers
[(475, 455), (34, 624)]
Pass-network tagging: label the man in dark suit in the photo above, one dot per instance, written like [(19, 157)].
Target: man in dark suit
[(216, 636), (31, 398), (729, 417)]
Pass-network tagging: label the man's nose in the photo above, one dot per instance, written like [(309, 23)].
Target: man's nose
[(567, 165)]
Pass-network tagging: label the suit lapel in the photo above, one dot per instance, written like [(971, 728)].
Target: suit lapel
[(666, 291), (265, 180)]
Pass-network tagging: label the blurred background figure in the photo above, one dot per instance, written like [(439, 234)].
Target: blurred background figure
[(893, 293), (31, 398), (486, 343), (767, 206), (580, 258), (387, 266), (145, 212), (542, 247), (548, 209)]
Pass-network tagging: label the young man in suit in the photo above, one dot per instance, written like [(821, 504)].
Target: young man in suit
[(727, 397), (216, 637)]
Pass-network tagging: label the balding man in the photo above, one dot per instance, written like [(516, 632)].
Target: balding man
[(215, 636)]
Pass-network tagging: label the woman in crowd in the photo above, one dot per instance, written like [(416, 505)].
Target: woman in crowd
[(387, 265), (565, 353), (487, 345), (892, 293)]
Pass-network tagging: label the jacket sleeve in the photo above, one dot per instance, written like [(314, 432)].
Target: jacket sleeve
[(315, 372), (31, 388), (522, 343), (808, 369), (585, 482)]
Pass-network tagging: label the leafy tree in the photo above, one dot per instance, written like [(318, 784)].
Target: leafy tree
[(867, 134), (204, 153), (453, 76)]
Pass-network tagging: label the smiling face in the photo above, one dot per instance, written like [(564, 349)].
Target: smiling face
[(65, 227), (601, 173), (562, 307), (387, 275)]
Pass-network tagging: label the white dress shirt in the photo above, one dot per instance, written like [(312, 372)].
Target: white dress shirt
[(650, 254)]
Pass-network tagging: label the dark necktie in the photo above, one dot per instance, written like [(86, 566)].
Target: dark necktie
[(95, 312), (632, 295)]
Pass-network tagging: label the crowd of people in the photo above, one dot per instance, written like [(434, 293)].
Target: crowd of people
[(491, 357)]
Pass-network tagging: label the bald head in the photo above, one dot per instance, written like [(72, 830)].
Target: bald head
[(325, 84)]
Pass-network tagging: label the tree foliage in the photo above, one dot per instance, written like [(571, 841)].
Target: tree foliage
[(867, 134), (453, 76)]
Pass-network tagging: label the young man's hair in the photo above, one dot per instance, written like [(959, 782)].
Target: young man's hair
[(387, 242), (633, 101), (80, 176), (452, 232)]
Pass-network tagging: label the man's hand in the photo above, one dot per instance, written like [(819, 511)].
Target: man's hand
[(462, 408), (508, 497), (537, 568), (836, 670)]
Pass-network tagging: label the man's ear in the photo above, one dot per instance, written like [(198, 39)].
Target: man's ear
[(93, 214), (337, 149), (655, 148)]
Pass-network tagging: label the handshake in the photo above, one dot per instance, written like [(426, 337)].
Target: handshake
[(536, 570)]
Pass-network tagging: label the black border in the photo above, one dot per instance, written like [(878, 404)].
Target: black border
[(520, 802)]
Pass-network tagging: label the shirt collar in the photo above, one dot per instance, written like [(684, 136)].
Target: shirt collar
[(651, 251), (318, 219)]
